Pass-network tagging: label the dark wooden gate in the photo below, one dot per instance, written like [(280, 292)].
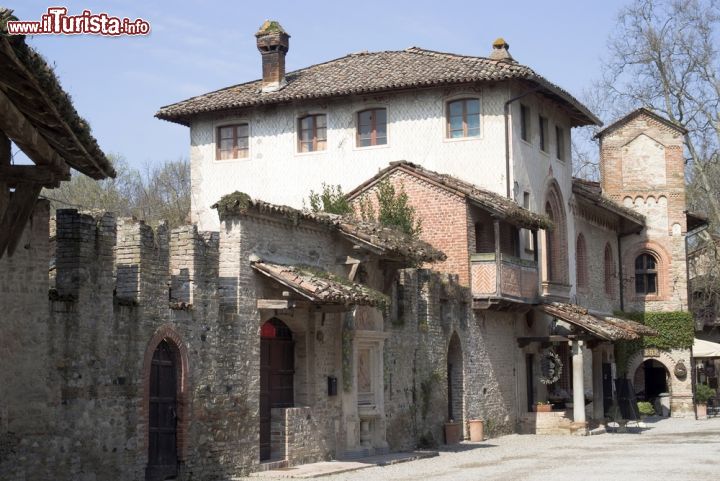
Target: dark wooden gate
[(277, 368), (162, 445), (607, 387)]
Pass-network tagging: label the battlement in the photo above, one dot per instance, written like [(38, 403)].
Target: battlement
[(101, 257)]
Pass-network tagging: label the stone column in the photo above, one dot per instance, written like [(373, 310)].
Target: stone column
[(578, 385), (598, 411)]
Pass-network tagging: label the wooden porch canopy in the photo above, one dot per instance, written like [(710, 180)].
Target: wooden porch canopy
[(318, 286), (39, 117), (604, 328)]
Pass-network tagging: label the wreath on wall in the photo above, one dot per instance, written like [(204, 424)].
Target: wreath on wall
[(550, 367)]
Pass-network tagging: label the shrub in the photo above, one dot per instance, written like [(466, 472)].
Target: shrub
[(646, 408), (703, 393), (331, 200)]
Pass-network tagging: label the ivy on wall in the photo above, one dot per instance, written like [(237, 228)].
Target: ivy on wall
[(676, 330)]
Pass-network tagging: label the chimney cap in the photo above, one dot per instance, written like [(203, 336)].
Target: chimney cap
[(500, 43), (270, 27), (501, 51)]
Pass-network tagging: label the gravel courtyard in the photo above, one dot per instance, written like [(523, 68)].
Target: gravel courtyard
[(668, 450)]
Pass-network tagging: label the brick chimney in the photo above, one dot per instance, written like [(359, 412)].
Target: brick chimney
[(273, 43), (501, 51)]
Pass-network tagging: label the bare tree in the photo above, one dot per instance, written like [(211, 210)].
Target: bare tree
[(663, 55), (158, 192)]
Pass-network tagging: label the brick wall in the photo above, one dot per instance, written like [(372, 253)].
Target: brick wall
[(444, 217), (643, 168)]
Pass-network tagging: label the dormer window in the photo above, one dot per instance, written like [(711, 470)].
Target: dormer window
[(463, 118), (372, 127), (312, 133), (233, 142)]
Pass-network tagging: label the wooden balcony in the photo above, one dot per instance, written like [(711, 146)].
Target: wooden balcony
[(501, 281)]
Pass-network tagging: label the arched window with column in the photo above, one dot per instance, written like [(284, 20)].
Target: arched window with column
[(556, 265)]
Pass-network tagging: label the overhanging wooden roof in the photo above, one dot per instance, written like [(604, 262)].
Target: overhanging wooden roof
[(605, 328), (319, 286), (38, 116)]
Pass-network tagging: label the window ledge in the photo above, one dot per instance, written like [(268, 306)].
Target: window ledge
[(463, 139)]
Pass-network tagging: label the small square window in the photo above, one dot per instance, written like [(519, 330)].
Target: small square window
[(312, 133), (463, 118), (372, 127), (232, 142)]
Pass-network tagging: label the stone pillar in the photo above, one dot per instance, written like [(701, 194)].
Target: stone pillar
[(578, 384), (597, 381)]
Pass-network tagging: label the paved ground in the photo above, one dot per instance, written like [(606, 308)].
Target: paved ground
[(667, 450)]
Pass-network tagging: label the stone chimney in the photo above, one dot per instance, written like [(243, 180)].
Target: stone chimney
[(501, 51), (273, 43)]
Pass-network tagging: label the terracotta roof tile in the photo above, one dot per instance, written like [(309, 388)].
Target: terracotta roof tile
[(320, 286), (485, 199), (370, 72), (604, 327)]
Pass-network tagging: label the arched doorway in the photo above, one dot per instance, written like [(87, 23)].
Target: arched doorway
[(277, 369), (163, 413), (651, 379), (455, 380)]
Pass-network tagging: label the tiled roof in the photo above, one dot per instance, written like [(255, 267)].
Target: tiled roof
[(33, 88), (320, 286), (371, 72), (386, 241), (592, 192), (604, 327), (490, 201), (641, 111)]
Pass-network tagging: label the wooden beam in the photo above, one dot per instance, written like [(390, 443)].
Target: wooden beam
[(26, 136), (275, 304), (16, 216), (103, 170), (33, 174)]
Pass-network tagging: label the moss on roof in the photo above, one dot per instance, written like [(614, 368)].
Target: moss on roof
[(270, 26), (50, 86)]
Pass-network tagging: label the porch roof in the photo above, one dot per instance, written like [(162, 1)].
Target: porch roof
[(320, 286), (606, 328)]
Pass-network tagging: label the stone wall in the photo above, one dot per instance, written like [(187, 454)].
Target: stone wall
[(436, 307)]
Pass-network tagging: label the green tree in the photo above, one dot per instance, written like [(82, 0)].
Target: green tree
[(331, 200), (393, 209)]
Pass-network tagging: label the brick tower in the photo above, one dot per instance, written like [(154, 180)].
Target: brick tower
[(642, 167)]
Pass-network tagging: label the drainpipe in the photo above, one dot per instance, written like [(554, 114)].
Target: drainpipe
[(507, 136), (620, 273)]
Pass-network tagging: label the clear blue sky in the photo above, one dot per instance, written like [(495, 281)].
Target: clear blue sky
[(196, 46)]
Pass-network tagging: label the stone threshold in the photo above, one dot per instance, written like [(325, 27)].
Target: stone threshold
[(326, 468)]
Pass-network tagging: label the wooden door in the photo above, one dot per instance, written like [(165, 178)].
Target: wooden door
[(277, 369), (162, 445)]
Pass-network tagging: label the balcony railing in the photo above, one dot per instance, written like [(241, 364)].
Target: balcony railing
[(507, 278)]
